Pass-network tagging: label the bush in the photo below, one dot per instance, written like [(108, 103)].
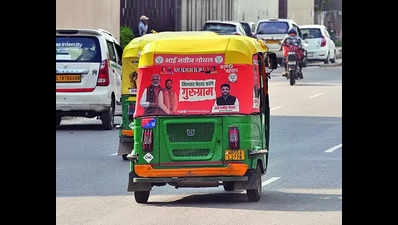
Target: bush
[(126, 35)]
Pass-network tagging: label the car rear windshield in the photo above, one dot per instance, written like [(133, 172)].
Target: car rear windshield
[(272, 28), (77, 49), (220, 28), (311, 32)]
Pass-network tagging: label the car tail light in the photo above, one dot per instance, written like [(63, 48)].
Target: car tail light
[(103, 75), (233, 137), (147, 140), (323, 43)]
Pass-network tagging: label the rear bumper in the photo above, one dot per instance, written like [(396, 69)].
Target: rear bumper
[(98, 100), (231, 169), (317, 54)]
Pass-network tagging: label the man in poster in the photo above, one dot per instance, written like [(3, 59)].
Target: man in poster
[(226, 102), (170, 98), (152, 98)]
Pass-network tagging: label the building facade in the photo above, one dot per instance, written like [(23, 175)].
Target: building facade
[(93, 14)]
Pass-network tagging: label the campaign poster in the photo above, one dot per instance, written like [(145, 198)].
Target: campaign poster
[(196, 84)]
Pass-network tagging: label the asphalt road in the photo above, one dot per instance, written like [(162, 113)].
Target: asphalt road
[(303, 184)]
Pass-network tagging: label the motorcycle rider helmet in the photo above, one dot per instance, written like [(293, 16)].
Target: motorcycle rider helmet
[(292, 31)]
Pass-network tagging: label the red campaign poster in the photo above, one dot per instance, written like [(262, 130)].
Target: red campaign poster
[(196, 84)]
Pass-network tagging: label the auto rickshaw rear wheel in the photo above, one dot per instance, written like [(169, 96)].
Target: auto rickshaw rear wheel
[(141, 196), (255, 194)]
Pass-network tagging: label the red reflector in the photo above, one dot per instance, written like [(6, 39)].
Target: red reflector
[(233, 137), (76, 90), (147, 140)]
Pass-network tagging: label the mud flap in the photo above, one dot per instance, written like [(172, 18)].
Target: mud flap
[(137, 186), (125, 147), (252, 182)]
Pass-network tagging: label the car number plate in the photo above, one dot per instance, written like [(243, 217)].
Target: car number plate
[(234, 155), (272, 42), (68, 78)]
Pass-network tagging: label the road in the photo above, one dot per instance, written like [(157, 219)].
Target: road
[(303, 184)]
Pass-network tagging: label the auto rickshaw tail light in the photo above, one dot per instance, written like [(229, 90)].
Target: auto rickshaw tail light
[(233, 137), (147, 140), (103, 75)]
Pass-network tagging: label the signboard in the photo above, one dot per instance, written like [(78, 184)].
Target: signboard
[(196, 84)]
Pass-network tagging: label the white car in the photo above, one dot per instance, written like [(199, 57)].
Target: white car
[(88, 74), (224, 27), (274, 31), (320, 46)]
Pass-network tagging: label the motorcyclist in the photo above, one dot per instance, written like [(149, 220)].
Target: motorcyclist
[(292, 39)]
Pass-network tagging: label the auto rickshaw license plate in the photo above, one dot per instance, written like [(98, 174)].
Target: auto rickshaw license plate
[(68, 78), (234, 155)]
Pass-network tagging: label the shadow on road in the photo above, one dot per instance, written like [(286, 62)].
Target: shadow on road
[(80, 127), (270, 200)]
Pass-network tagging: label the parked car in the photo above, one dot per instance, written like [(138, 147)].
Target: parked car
[(320, 45), (247, 26), (273, 31), (88, 74), (224, 27)]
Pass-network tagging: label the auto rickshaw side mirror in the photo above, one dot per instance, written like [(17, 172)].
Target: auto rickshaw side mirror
[(272, 60)]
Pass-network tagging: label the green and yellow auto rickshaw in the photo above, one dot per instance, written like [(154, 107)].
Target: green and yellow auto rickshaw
[(202, 115), (130, 57)]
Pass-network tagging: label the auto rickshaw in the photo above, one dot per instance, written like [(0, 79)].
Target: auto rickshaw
[(202, 115), (130, 57)]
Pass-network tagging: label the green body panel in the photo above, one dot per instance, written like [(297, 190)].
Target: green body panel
[(126, 123), (172, 144)]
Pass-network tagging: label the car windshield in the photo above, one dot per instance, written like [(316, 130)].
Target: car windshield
[(220, 28), (311, 32), (77, 49), (272, 28)]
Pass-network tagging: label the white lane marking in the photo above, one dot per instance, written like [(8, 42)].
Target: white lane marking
[(334, 148), (316, 95), (276, 107), (272, 179), (114, 154)]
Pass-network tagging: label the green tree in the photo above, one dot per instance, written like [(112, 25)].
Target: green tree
[(126, 35)]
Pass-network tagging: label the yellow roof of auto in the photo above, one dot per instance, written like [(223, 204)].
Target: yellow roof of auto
[(237, 49), (137, 44)]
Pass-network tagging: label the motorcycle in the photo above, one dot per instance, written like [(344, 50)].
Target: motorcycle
[(294, 61)]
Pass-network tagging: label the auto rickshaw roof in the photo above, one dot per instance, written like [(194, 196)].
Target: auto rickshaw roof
[(137, 44), (237, 49)]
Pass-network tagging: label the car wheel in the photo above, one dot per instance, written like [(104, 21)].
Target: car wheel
[(327, 59), (107, 117), (333, 60), (255, 195), (141, 196)]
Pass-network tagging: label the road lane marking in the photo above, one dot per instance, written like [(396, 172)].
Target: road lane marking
[(316, 95), (272, 179), (334, 148), (276, 107)]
